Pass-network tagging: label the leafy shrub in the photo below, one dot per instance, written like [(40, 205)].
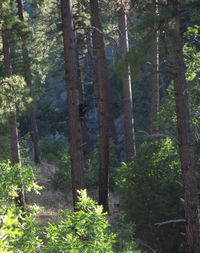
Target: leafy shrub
[(17, 233), (83, 231), (10, 179), (92, 167), (150, 191), (55, 150)]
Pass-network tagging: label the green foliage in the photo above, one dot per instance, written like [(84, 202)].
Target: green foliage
[(150, 192), (125, 235), (92, 167), (14, 95), (18, 233), (85, 230), (10, 179), (55, 150)]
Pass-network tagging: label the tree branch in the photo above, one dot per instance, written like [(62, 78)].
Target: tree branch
[(99, 31), (161, 135), (169, 221)]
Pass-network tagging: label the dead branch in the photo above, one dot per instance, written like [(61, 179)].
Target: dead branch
[(164, 136), (169, 221)]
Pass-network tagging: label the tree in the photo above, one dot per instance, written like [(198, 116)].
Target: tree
[(183, 113), (73, 98), (126, 84), (103, 105), (15, 151), (27, 76), (155, 96)]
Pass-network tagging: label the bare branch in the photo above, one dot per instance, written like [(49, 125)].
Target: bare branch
[(161, 135), (169, 221)]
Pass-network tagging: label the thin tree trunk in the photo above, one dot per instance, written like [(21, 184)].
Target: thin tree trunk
[(103, 105), (73, 98), (185, 138), (126, 87), (27, 73), (155, 96), (15, 151)]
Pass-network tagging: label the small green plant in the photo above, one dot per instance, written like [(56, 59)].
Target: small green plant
[(86, 230)]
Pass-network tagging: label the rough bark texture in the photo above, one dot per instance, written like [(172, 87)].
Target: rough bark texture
[(76, 148), (185, 138), (27, 73), (15, 151), (126, 87), (103, 105)]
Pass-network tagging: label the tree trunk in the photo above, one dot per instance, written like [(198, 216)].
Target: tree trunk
[(73, 98), (185, 138), (103, 112), (15, 151), (155, 96), (126, 87), (27, 73)]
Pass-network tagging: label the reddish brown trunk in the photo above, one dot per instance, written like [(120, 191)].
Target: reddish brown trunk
[(15, 151), (103, 117), (73, 98), (27, 73), (186, 151), (126, 87)]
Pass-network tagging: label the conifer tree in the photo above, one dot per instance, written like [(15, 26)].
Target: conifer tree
[(103, 108), (126, 84), (15, 151), (27, 76), (73, 98), (186, 151)]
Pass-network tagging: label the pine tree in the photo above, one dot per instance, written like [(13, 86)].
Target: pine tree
[(27, 76), (126, 84), (73, 98), (103, 105)]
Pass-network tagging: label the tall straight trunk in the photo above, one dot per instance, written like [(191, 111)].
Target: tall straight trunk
[(155, 96), (15, 151), (27, 73), (103, 105), (126, 86), (73, 98), (185, 138)]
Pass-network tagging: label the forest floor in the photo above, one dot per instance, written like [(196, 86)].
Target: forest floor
[(53, 200)]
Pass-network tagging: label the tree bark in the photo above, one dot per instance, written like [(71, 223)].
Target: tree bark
[(185, 138), (27, 77), (102, 106), (73, 98), (15, 151), (126, 87)]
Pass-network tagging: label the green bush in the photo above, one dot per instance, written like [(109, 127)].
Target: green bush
[(55, 150), (18, 232), (92, 167), (85, 230), (150, 193)]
